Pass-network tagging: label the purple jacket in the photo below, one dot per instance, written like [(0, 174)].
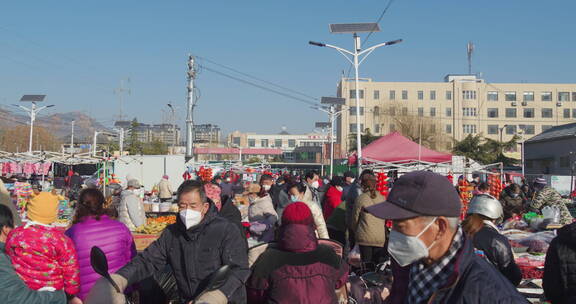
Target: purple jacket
[(299, 271), (111, 236)]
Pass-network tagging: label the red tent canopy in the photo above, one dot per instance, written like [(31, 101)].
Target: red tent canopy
[(396, 148)]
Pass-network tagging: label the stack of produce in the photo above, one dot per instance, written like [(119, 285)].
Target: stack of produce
[(156, 225), (382, 185), (495, 185), (165, 219)]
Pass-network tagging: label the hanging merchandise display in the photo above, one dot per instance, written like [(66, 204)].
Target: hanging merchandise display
[(465, 195), (495, 185), (382, 184), (205, 174)]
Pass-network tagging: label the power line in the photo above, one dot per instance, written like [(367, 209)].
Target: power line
[(261, 87), (256, 78)]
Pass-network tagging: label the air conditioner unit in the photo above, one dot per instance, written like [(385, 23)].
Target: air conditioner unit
[(524, 103), (514, 104), (559, 104)]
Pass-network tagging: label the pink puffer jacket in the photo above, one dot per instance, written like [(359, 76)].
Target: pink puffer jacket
[(111, 236)]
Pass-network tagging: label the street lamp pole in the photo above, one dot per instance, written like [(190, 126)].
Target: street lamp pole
[(501, 141), (332, 115), (32, 112), (356, 62), (173, 127)]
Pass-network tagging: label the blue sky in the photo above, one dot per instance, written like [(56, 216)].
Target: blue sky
[(76, 52)]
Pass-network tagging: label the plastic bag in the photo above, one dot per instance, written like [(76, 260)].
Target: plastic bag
[(552, 213), (354, 258)]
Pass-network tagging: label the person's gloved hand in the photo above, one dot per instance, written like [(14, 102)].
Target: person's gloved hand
[(104, 293), (211, 297), (257, 228)]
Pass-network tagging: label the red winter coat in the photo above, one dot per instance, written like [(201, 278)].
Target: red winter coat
[(299, 271), (111, 236), (44, 257), (332, 200)]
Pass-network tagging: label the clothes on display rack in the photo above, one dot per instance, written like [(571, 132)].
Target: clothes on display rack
[(28, 168)]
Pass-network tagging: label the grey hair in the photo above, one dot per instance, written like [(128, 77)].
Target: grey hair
[(453, 222)]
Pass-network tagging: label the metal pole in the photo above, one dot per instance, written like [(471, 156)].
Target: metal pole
[(121, 143), (32, 118), (190, 108), (72, 139), (331, 142), (94, 144), (522, 150), (357, 85)]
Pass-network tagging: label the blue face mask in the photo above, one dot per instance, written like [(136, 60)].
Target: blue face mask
[(293, 198)]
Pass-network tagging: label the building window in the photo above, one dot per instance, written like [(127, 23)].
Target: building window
[(566, 113), (392, 95), (420, 112), (353, 128), (492, 129), (510, 96), (546, 96), (469, 95), (420, 95), (404, 94), (528, 112), (353, 94), (492, 96), (573, 96), (278, 143), (433, 95), (564, 161), (546, 128), (251, 142), (404, 111), (392, 111), (469, 129), (236, 141), (376, 94), (392, 127), (546, 113), (449, 129), (264, 143), (573, 113), (492, 112), (469, 112), (528, 96), (291, 143), (510, 113), (353, 110), (448, 95), (510, 129), (563, 96), (528, 129), (448, 112), (377, 128), (432, 112)]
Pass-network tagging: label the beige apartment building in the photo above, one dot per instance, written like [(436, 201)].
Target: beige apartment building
[(461, 105)]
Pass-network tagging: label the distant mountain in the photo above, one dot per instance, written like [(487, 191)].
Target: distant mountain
[(58, 123)]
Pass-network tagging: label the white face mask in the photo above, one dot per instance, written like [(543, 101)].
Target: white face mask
[(339, 188), (352, 180), (190, 217), (407, 249), (266, 187), (293, 198), (315, 184)]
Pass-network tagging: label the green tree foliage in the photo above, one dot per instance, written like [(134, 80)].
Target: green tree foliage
[(134, 145), (366, 138), (485, 150), (155, 147)]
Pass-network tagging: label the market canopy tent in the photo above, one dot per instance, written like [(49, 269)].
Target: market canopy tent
[(395, 148)]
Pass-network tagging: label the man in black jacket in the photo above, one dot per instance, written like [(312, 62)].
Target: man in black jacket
[(438, 261), (560, 268), (195, 247)]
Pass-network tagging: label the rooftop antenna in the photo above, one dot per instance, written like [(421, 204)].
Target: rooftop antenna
[(120, 92), (469, 51)]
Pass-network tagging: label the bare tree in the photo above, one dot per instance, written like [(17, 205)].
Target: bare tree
[(16, 138)]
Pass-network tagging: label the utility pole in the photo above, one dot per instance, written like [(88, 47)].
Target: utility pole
[(121, 143), (175, 134), (120, 92), (190, 103), (94, 143), (72, 139)]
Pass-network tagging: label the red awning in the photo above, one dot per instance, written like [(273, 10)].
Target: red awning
[(396, 148), (247, 151)]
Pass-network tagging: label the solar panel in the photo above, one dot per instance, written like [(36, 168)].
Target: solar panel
[(322, 125), (333, 100), (354, 28), (35, 98)]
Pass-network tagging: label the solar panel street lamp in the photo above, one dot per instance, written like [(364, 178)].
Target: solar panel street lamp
[(355, 28), (32, 112)]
